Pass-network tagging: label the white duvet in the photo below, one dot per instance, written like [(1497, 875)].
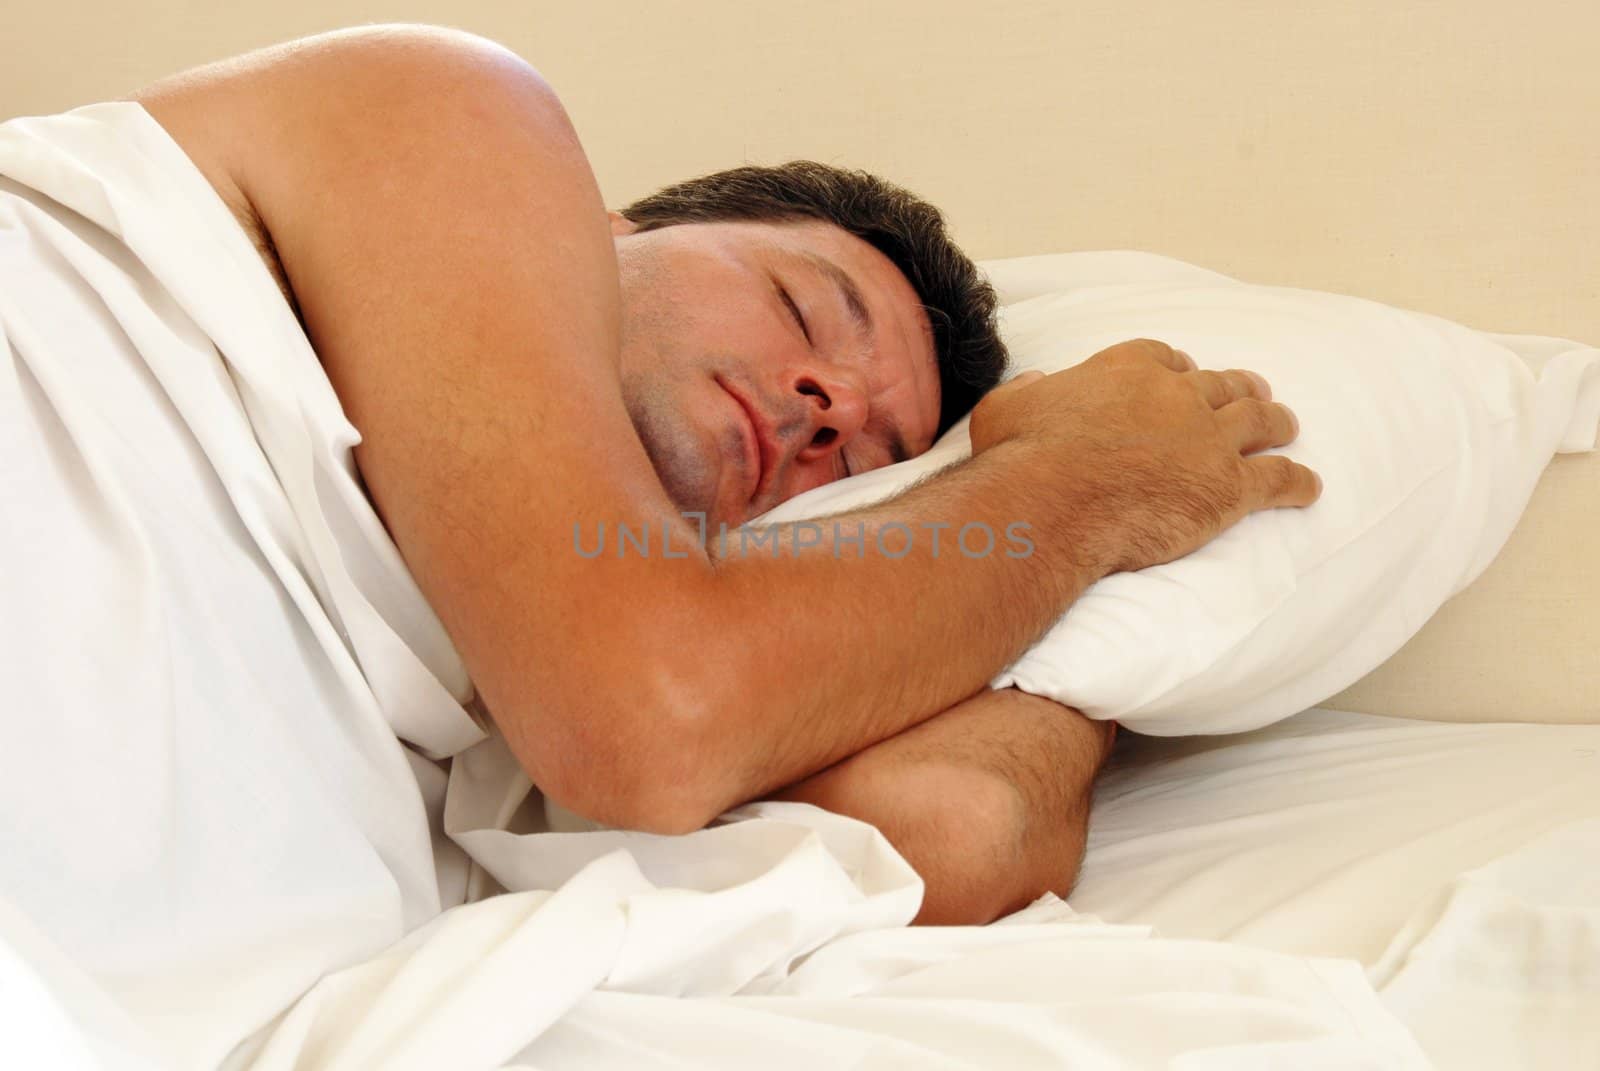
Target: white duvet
[(228, 839)]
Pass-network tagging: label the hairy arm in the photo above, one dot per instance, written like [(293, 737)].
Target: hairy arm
[(989, 801), (449, 252)]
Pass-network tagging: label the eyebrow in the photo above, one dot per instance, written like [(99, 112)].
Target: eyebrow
[(847, 289)]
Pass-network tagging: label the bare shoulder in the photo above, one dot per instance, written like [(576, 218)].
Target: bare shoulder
[(264, 125), (228, 107)]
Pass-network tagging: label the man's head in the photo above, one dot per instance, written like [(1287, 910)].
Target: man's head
[(787, 326)]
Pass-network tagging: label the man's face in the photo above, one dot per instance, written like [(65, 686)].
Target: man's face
[(760, 360)]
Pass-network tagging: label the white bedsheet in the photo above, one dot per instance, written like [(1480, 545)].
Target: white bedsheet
[(1458, 863), (776, 939), (1322, 834), (1501, 967)]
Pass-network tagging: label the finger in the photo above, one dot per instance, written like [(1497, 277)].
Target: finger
[(1256, 425), (1220, 388), (1176, 360), (1275, 481)]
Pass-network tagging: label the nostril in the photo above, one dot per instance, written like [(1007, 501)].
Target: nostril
[(816, 391), (823, 437)]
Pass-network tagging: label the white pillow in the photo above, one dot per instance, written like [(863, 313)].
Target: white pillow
[(1429, 438)]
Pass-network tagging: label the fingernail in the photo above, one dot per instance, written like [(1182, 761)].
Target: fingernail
[(1265, 388)]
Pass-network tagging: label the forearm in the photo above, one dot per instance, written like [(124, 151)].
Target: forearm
[(988, 801), (841, 645)]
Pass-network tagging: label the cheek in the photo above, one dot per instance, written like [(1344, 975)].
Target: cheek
[(719, 325)]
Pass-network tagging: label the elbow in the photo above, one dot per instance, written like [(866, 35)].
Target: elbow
[(638, 811), (649, 803), (670, 818), (642, 726), (646, 758)]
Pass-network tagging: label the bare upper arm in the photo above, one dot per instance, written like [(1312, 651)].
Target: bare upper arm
[(449, 250)]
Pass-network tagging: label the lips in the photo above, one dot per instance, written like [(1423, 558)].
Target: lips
[(760, 454)]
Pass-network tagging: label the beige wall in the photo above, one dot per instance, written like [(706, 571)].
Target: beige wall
[(1440, 155)]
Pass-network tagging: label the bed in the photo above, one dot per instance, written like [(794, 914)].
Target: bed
[(1404, 875)]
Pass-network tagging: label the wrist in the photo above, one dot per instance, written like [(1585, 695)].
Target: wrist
[(1068, 519)]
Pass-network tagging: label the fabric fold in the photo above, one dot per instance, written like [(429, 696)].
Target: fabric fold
[(216, 656)]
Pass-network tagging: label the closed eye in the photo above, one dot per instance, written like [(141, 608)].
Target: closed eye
[(794, 310)]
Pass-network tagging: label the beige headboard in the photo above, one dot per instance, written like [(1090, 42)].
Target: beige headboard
[(1443, 156)]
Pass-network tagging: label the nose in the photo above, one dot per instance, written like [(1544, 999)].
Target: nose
[(835, 410)]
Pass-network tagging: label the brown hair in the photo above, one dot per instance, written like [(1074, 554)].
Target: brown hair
[(903, 227)]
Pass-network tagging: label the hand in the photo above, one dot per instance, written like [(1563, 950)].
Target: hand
[(1153, 446)]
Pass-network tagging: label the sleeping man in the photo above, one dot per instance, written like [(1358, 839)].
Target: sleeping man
[(531, 374)]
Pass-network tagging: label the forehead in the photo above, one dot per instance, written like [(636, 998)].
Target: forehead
[(902, 334)]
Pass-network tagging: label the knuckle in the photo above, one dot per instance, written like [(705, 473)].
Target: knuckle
[(1137, 349), (1250, 417)]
